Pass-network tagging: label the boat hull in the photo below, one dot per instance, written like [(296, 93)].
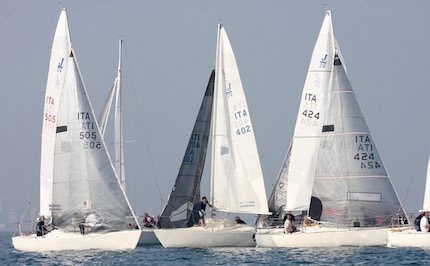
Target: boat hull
[(322, 237), (408, 238), (59, 240), (148, 238), (219, 234)]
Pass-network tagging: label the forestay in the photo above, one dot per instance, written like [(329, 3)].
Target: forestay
[(307, 133), (61, 48), (185, 195), (237, 180), (85, 182)]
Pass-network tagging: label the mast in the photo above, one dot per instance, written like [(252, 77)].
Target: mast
[(119, 139), (214, 113)]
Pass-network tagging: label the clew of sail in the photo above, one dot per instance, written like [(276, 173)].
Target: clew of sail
[(309, 124), (237, 180)]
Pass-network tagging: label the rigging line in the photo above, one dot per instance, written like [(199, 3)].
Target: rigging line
[(143, 127)]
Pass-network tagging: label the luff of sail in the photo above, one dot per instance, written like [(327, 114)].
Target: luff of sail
[(61, 48), (309, 124), (178, 212), (84, 178), (236, 179)]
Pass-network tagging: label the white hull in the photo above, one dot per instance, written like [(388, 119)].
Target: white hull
[(322, 237), (219, 235), (148, 238), (408, 238), (59, 240)]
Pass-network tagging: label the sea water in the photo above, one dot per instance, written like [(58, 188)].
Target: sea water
[(157, 255)]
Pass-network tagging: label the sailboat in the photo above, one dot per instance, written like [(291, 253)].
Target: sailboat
[(237, 184), (147, 237), (78, 180), (332, 176), (406, 236)]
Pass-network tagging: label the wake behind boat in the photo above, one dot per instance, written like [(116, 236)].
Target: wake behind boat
[(236, 178), (332, 177), (79, 189)]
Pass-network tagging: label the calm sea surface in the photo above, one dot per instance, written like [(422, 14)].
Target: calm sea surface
[(157, 255)]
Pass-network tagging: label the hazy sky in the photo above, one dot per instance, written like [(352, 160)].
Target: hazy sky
[(169, 51)]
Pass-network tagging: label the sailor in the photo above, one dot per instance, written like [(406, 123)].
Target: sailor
[(202, 211), (424, 224), (148, 221), (238, 220), (41, 228)]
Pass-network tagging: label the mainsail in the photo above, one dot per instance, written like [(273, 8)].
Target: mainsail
[(185, 194), (307, 133), (61, 48), (236, 179), (85, 182)]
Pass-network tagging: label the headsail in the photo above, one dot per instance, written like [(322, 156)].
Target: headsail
[(278, 198), (84, 179), (237, 180), (426, 203), (104, 114), (186, 192), (61, 48), (309, 124)]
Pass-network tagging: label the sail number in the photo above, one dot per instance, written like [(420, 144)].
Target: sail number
[(310, 114), (49, 119), (241, 119), (243, 130), (365, 155), (193, 144), (88, 133)]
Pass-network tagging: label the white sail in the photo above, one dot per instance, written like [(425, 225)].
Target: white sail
[(119, 138), (104, 114), (309, 124), (61, 48), (426, 203), (237, 180), (84, 178)]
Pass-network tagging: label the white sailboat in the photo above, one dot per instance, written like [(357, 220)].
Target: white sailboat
[(332, 173), (78, 180), (147, 237), (236, 178), (407, 236)]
